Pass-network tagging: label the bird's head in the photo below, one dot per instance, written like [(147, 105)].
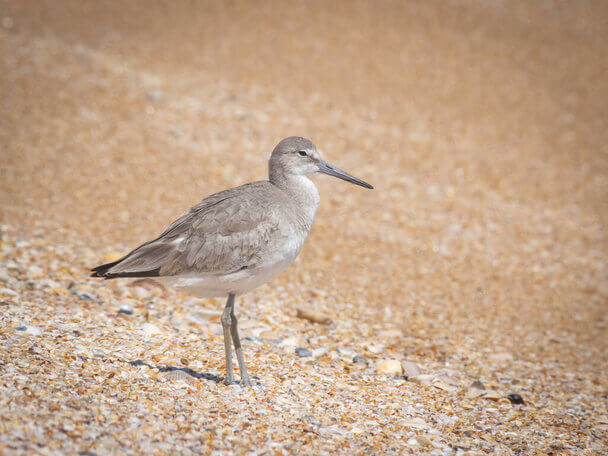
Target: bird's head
[(299, 156)]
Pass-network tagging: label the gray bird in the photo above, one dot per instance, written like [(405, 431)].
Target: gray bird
[(237, 239)]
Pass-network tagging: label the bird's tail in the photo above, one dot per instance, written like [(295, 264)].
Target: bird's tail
[(105, 271)]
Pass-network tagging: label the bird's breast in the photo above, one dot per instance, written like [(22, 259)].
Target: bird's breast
[(284, 251)]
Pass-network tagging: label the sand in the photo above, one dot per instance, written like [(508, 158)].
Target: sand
[(480, 257)]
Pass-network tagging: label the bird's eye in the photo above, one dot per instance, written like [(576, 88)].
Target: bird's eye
[(302, 153)]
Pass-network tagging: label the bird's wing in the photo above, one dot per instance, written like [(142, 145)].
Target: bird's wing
[(224, 233)]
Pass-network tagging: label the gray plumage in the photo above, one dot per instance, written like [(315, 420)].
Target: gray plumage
[(237, 239), (224, 233)]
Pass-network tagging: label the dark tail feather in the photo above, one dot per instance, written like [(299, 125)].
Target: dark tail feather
[(102, 271)]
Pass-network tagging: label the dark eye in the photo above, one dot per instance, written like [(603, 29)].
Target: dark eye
[(302, 153)]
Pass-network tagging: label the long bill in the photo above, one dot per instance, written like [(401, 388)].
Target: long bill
[(330, 170)]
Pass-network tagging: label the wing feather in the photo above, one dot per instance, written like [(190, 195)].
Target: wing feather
[(224, 233)]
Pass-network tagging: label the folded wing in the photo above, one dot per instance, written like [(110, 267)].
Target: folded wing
[(224, 233)]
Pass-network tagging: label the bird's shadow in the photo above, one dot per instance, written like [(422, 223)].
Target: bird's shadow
[(187, 370)]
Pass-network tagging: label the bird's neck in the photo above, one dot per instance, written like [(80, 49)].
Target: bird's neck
[(302, 190)]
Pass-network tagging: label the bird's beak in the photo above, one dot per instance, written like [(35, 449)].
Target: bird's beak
[(330, 170)]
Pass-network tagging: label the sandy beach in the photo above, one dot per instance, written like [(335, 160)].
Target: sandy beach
[(464, 299)]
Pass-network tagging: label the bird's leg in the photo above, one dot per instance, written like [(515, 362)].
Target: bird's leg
[(226, 323), (234, 329)]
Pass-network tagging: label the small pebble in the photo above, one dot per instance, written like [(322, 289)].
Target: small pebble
[(474, 392), (8, 292), (478, 385), (84, 296), (417, 423), (412, 441), (444, 385), (303, 352), (360, 359), (48, 283), (155, 95), (314, 317), (35, 271), (389, 367), (31, 330), (501, 357), (357, 430), (289, 344), (150, 329), (515, 399), (317, 352), (375, 348), (422, 441), (410, 369), (492, 395), (424, 379)]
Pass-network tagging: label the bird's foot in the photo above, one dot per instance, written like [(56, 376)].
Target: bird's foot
[(246, 381)]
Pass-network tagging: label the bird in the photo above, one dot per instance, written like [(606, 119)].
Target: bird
[(238, 239)]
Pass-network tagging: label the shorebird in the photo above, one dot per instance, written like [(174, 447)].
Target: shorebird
[(238, 239)]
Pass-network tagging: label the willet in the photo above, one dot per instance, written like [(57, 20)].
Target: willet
[(237, 239)]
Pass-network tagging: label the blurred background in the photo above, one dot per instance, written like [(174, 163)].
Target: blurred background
[(483, 126)]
